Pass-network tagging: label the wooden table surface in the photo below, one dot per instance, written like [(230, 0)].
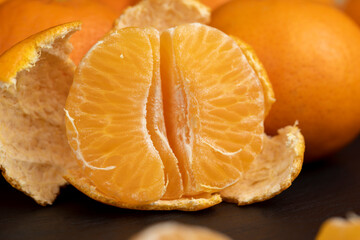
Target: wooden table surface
[(323, 189)]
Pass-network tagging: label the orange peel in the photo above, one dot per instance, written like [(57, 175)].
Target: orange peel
[(174, 230), (35, 76), (273, 171)]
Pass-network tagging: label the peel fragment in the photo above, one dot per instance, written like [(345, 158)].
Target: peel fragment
[(213, 106), (272, 171), (163, 14), (173, 230), (75, 178), (340, 229), (35, 77)]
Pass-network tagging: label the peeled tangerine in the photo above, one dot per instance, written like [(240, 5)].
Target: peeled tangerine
[(170, 120)]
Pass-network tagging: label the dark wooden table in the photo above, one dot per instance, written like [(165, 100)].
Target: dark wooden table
[(327, 188)]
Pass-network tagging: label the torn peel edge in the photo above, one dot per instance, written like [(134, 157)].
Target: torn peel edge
[(289, 138), (31, 49), (185, 204), (15, 184), (23, 67)]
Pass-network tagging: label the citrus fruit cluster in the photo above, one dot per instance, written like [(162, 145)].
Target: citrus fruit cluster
[(155, 122), (165, 112)]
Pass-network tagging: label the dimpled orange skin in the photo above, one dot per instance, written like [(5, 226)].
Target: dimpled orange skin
[(20, 19), (118, 5), (352, 8), (213, 4), (332, 2), (311, 53)]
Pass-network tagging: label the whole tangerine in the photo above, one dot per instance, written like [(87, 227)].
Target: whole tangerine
[(213, 4), (20, 19), (118, 5), (312, 53)]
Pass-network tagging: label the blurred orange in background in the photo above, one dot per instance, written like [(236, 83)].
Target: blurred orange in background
[(20, 19), (213, 4), (118, 5), (352, 8), (312, 54)]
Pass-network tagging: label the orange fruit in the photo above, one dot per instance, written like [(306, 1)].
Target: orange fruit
[(173, 230), (35, 77), (330, 2), (339, 228), (310, 52), (207, 128), (213, 4), (118, 5), (20, 19), (352, 8)]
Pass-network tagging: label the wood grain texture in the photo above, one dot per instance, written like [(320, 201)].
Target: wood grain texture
[(323, 189)]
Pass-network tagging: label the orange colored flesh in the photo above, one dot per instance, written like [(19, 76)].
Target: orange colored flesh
[(214, 106), (108, 103), (134, 101), (352, 8)]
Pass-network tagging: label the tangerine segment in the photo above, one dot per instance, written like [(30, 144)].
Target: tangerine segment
[(213, 106), (83, 184), (157, 131), (107, 117), (269, 95)]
